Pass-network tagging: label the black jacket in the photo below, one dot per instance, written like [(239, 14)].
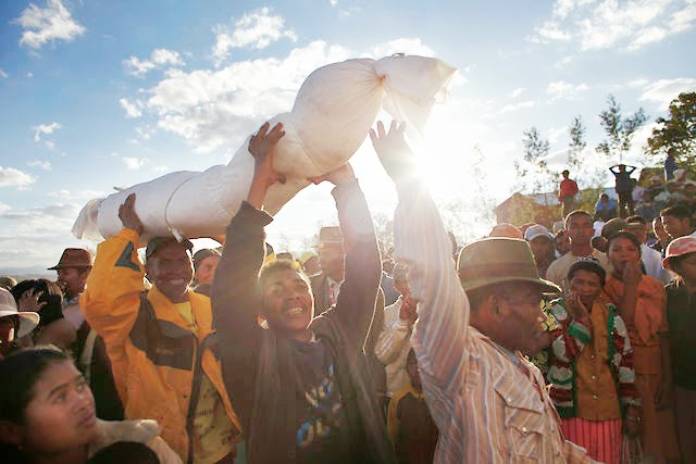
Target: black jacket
[(258, 368)]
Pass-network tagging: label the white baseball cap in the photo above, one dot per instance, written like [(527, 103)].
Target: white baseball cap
[(537, 230)]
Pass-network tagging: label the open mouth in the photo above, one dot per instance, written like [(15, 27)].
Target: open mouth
[(294, 311)]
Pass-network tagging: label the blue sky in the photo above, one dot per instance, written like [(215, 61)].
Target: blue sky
[(96, 94)]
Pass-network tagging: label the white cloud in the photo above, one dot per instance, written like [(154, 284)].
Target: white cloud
[(133, 109), (159, 58), (565, 90), (637, 83), (134, 163), (3, 74), (36, 236), (212, 108), (664, 91), (46, 129), (517, 92), (45, 165), (517, 106), (627, 24), (408, 45), (11, 177), (44, 25), (257, 29), (563, 62), (65, 195)]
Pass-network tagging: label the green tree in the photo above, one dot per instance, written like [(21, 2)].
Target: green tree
[(676, 133), (533, 172), (619, 129), (577, 141)]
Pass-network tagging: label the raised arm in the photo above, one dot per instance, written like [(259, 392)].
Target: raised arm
[(613, 169), (440, 334), (111, 299), (234, 296), (355, 304)]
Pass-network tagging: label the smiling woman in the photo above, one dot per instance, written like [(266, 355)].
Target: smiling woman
[(47, 413)]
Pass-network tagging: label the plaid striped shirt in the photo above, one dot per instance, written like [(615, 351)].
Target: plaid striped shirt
[(490, 405)]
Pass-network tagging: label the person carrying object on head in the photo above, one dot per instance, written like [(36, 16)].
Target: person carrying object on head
[(160, 341)]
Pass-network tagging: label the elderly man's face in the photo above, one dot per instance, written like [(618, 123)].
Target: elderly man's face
[(520, 306)]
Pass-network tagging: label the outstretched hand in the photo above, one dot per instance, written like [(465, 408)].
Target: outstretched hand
[(262, 147), (340, 176), (29, 301), (393, 151), (129, 218)]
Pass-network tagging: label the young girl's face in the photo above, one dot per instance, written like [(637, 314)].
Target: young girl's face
[(622, 251), (61, 414)]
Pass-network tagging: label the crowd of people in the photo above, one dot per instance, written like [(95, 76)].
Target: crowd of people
[(523, 346)]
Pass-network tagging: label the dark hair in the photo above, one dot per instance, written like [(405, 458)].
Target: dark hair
[(636, 219), (277, 266), (589, 265), (51, 294), (130, 452), (628, 236), (572, 214), (678, 211), (19, 373)]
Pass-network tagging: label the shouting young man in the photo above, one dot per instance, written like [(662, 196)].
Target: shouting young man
[(300, 383)]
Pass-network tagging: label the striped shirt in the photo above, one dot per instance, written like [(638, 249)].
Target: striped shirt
[(490, 405)]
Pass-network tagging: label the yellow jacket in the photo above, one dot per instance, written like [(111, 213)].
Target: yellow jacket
[(156, 360)]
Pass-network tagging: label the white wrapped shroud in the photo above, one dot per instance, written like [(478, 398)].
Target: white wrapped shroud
[(332, 114)]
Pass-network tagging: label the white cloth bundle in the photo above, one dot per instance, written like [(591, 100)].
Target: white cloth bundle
[(333, 111)]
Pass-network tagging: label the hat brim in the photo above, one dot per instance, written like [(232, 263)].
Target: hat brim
[(27, 321), (546, 286), (63, 266)]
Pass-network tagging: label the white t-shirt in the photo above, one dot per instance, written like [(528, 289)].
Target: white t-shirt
[(558, 270)]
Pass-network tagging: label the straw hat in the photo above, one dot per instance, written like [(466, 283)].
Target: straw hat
[(496, 260), (27, 320)]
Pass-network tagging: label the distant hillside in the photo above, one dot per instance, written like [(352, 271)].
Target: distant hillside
[(23, 273)]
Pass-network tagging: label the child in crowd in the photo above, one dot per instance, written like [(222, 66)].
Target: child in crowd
[(411, 427)]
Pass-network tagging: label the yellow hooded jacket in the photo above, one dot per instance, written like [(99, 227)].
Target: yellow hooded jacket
[(157, 361)]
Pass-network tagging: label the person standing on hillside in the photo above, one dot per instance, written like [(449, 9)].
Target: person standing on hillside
[(567, 192)]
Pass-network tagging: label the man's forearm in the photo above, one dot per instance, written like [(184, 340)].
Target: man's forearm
[(363, 267), (443, 310), (234, 286)]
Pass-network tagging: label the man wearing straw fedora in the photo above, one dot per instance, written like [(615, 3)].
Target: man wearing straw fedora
[(13, 324), (490, 404)]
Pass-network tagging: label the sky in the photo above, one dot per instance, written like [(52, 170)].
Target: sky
[(96, 94)]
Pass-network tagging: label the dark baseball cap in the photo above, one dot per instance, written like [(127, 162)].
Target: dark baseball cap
[(158, 242)]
